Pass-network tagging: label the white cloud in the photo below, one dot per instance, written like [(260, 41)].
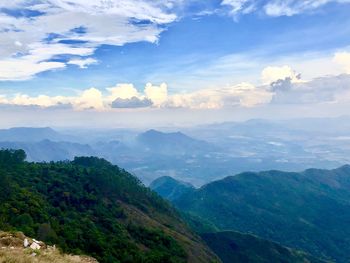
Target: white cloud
[(277, 7), (89, 99), (82, 63), (30, 41), (244, 94), (22, 69), (271, 74), (157, 94), (123, 91), (279, 85), (343, 59), (36, 60), (294, 7), (41, 100), (143, 10), (239, 6)]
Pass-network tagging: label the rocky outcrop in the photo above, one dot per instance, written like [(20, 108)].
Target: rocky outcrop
[(16, 247)]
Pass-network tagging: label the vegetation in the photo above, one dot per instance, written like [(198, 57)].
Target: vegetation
[(90, 206), (309, 211), (232, 246), (13, 251)]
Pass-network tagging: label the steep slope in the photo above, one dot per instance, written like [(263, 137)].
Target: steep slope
[(169, 188), (230, 246), (309, 211), (90, 206), (236, 247)]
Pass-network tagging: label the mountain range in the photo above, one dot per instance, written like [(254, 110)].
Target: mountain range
[(195, 154), (308, 210), (232, 246), (90, 207)]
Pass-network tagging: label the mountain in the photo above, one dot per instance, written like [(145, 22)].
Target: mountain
[(233, 246), (89, 206), (171, 143), (309, 210), (29, 134), (169, 188), (230, 246)]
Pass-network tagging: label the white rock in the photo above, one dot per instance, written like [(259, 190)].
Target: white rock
[(33, 254), (25, 243), (35, 245)]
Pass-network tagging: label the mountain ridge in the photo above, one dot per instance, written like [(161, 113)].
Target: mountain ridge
[(90, 206), (306, 210)]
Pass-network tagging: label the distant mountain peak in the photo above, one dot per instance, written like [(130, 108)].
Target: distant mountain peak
[(153, 132), (32, 128), (29, 134), (171, 143)]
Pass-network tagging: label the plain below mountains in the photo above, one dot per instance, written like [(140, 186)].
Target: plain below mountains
[(309, 211), (196, 155)]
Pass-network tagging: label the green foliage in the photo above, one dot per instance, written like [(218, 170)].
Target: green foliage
[(45, 232), (232, 246), (309, 211), (12, 158), (83, 206)]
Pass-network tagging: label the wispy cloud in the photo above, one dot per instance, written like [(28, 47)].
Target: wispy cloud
[(294, 7), (37, 36), (276, 7)]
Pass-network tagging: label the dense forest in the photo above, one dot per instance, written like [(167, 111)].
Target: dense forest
[(309, 211), (90, 206), (232, 246)]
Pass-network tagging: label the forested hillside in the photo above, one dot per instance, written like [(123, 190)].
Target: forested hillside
[(309, 211), (233, 246), (90, 206)]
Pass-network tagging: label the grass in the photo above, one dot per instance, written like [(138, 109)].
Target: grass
[(18, 255), (12, 251)]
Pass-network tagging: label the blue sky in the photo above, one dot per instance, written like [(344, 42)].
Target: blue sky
[(225, 55)]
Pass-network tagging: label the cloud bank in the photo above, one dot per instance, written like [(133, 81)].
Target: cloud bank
[(279, 85)]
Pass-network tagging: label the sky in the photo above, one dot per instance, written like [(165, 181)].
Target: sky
[(136, 63)]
